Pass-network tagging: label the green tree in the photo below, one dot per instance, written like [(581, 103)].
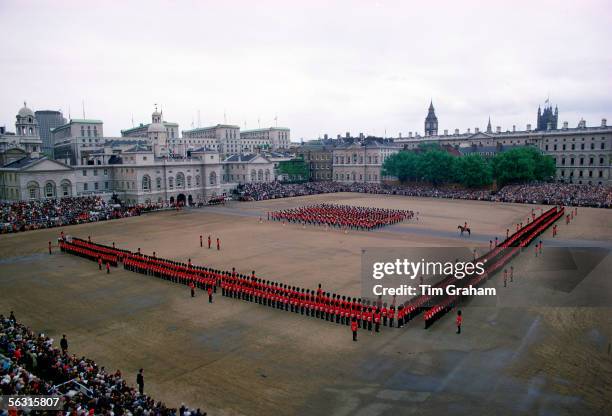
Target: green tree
[(403, 165), (522, 164), (472, 171), (436, 166), (544, 168)]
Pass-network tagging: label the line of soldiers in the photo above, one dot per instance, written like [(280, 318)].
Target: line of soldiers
[(342, 216), (318, 304), (87, 253)]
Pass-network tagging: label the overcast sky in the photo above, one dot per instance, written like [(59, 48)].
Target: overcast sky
[(320, 67)]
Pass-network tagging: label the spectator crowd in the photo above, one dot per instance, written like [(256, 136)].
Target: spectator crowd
[(599, 196), (18, 216), (29, 364)]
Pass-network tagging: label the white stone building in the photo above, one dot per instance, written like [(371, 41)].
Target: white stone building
[(247, 168), (361, 162), (271, 138), (228, 139), (225, 138)]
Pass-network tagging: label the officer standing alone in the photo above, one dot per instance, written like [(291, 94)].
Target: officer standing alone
[(354, 329), (459, 321)]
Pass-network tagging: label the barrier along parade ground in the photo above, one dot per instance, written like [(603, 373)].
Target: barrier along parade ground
[(247, 307)]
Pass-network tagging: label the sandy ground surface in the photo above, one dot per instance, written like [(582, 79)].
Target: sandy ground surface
[(237, 358)]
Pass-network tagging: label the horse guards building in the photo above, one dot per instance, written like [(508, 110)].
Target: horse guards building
[(153, 163), (150, 163)]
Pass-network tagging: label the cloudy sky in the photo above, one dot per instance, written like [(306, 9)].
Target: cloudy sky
[(320, 67)]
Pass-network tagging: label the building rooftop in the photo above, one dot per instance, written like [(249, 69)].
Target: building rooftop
[(77, 121), (241, 157), (143, 126), (23, 162), (218, 126), (265, 129)]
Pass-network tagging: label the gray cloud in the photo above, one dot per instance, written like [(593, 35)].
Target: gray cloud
[(322, 67)]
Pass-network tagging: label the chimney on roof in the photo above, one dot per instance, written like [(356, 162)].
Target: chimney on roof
[(468, 130), (476, 130), (445, 132), (604, 122), (409, 134), (456, 131), (528, 127), (498, 129), (513, 128), (400, 135), (565, 125)]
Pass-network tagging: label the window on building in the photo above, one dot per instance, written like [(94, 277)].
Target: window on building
[(84, 172), (85, 186)]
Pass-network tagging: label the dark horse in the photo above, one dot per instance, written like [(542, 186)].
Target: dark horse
[(464, 229)]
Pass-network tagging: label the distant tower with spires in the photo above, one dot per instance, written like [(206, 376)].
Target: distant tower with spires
[(547, 119), (431, 121)]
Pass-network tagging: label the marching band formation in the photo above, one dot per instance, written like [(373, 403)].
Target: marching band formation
[(342, 216)]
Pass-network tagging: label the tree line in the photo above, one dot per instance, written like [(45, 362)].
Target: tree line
[(435, 165)]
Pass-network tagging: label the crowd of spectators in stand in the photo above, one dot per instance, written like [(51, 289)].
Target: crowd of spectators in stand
[(31, 365), (18, 216), (47, 213), (599, 196)]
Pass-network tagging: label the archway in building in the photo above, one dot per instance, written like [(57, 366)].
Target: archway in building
[(172, 200), (180, 199), (190, 200)]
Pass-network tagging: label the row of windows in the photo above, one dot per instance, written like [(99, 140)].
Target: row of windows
[(256, 176), (95, 172), (321, 166), (353, 177), (322, 175), (339, 160), (180, 181), (96, 186), (582, 174), (49, 189), (574, 139), (581, 161), (602, 146)]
